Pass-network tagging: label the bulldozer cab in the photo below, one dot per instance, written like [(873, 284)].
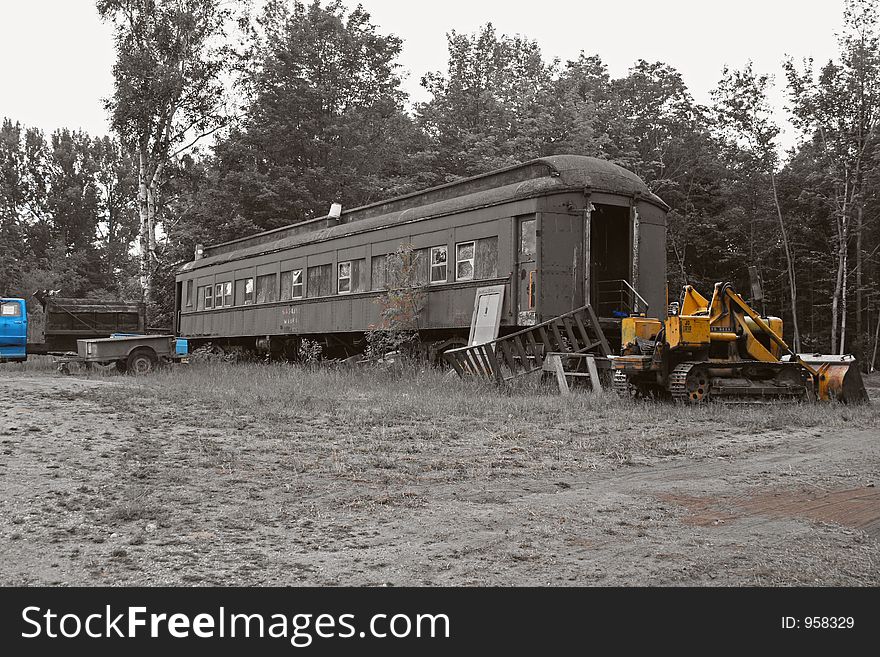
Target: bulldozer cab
[(692, 302), (689, 329)]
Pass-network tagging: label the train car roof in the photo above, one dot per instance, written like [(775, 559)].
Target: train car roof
[(553, 174)]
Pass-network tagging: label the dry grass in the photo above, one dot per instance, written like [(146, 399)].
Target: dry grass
[(369, 396), (33, 365), (361, 398), (384, 413)]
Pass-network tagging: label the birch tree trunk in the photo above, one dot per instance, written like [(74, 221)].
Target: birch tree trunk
[(843, 291), (840, 279), (144, 236), (792, 284), (174, 56), (835, 299), (860, 331)]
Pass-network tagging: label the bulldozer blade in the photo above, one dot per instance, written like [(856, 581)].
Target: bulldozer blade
[(839, 378)]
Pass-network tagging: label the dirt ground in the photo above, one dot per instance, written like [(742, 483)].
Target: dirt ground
[(111, 480)]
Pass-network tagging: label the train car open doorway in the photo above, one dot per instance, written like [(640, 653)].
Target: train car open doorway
[(611, 260)]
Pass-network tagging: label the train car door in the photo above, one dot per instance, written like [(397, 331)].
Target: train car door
[(610, 259), (527, 270), (178, 305), (487, 314)]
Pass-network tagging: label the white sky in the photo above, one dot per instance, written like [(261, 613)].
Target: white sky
[(57, 55)]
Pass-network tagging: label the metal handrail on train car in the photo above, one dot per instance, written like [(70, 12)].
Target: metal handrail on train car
[(619, 296), (523, 352)]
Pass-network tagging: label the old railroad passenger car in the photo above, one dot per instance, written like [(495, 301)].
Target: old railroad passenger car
[(556, 232)]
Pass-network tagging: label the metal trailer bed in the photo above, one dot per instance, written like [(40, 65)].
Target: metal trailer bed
[(137, 354)]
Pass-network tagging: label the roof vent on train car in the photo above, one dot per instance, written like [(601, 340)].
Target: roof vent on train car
[(334, 214), (200, 251)]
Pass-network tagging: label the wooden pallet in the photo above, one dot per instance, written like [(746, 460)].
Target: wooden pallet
[(523, 352), (584, 367)]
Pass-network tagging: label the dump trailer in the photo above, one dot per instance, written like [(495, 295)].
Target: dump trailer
[(724, 350), (66, 320), (136, 354)]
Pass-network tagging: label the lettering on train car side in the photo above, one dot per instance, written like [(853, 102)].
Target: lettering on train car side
[(291, 316)]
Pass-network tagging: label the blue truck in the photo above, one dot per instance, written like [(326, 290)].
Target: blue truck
[(86, 331), (13, 330)]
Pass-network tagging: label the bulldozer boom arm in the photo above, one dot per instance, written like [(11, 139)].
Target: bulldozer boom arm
[(756, 318)]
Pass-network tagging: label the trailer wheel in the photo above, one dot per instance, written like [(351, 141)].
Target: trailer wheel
[(142, 361)]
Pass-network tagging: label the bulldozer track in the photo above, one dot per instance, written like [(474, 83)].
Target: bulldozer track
[(677, 381), (678, 388)]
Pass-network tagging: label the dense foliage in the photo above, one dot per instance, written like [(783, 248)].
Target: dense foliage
[(321, 117)]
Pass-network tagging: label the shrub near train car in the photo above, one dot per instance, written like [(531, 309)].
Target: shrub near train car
[(556, 232)]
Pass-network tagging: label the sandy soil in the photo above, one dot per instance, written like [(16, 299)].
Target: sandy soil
[(93, 494)]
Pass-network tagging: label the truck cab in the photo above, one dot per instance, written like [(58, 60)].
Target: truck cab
[(13, 330)]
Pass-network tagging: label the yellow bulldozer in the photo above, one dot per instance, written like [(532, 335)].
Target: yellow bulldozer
[(723, 350)]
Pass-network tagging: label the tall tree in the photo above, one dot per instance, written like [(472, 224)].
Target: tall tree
[(583, 107), (73, 195), (51, 212), (118, 227), (656, 116), (170, 56), (493, 105), (13, 200), (655, 129), (24, 214), (743, 115), (324, 122), (839, 110)]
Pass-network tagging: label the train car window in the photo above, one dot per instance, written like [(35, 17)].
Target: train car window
[(438, 264), (359, 281), (420, 266), (464, 261), (189, 293), (528, 239), (286, 277), (379, 272), (318, 282), (291, 284), (209, 297), (244, 291), (486, 263), (343, 285), (227, 293), (218, 295), (296, 284), (266, 288)]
